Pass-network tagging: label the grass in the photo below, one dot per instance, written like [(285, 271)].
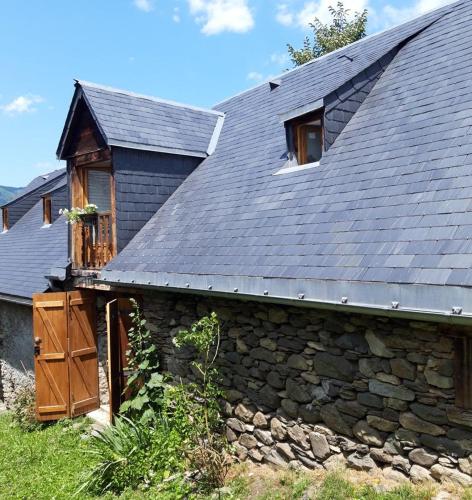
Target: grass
[(50, 463), (44, 464)]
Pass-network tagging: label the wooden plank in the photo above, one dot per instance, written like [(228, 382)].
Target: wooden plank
[(85, 402), (51, 357), (83, 352), (50, 303)]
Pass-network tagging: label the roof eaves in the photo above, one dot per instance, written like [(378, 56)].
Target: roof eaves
[(433, 301), (156, 149), (26, 301)]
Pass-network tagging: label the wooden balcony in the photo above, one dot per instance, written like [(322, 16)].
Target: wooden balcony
[(95, 242)]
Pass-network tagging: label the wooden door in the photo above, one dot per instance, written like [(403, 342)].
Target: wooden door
[(118, 325), (83, 353), (51, 356), (66, 358)]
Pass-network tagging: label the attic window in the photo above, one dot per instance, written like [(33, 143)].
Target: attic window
[(308, 138), (5, 224), (47, 212)]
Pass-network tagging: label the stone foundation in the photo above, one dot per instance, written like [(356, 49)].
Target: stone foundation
[(16, 350), (312, 388)]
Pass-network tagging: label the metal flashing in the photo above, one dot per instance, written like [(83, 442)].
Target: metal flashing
[(302, 110)]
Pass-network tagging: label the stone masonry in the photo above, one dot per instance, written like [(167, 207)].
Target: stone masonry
[(16, 350), (312, 388)]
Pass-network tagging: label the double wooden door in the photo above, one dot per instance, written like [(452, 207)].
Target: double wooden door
[(65, 354)]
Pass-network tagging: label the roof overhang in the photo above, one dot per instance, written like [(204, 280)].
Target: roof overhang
[(13, 299), (301, 111), (450, 304)]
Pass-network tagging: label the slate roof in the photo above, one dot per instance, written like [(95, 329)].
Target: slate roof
[(39, 182), (390, 205), (136, 121), (28, 251)]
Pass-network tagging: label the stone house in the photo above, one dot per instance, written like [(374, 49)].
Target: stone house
[(324, 215)]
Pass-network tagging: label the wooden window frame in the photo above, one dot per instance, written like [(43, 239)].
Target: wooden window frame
[(47, 210), (79, 198), (5, 222), (299, 139), (463, 371)]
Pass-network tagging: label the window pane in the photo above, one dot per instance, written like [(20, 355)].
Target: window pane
[(98, 189), (313, 144)]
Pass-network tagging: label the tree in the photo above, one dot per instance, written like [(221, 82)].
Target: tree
[(342, 31)]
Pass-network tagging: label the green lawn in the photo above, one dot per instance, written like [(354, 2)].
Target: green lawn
[(49, 464), (45, 464)]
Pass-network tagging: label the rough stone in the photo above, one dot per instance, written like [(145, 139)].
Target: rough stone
[(441, 473), (278, 316), (275, 380), (379, 455), (231, 435), (269, 398), (381, 423), (269, 344), (262, 354), (248, 441), (265, 437), (361, 462), (309, 414), (465, 465), (411, 422), (275, 459), (377, 345), (388, 378), (460, 417), (256, 455), (319, 445), (335, 462), (403, 368), (285, 451), (297, 391), (278, 429), (438, 372), (419, 474), (260, 420), (396, 404), (310, 377), (367, 434), (235, 424), (430, 413), (391, 391), (290, 407), (298, 436), (244, 413), (422, 457), (298, 362), (371, 400), (333, 419), (337, 367), (401, 463)]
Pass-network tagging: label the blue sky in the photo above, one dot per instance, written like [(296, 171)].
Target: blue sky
[(194, 51)]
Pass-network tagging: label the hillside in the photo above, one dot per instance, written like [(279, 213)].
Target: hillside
[(7, 193)]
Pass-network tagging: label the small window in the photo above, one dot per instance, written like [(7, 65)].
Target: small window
[(307, 138), (47, 219), (5, 223), (463, 372)]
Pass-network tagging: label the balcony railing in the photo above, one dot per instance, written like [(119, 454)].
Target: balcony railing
[(96, 241)]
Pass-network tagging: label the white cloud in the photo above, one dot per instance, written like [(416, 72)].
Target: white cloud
[(22, 104), (255, 76), (144, 5), (396, 15), (218, 16), (284, 16), (280, 59), (302, 14), (176, 15)]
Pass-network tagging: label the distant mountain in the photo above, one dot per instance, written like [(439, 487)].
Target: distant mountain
[(6, 193)]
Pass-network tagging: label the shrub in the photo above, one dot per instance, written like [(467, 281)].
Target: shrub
[(24, 409), (145, 385), (133, 455)]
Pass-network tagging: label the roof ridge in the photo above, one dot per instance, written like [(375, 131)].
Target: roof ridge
[(31, 191), (341, 49), (84, 83)]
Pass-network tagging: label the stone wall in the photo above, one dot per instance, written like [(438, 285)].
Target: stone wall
[(315, 388), (16, 349)]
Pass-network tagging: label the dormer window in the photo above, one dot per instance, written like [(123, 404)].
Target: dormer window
[(47, 210), (5, 223), (307, 137)]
